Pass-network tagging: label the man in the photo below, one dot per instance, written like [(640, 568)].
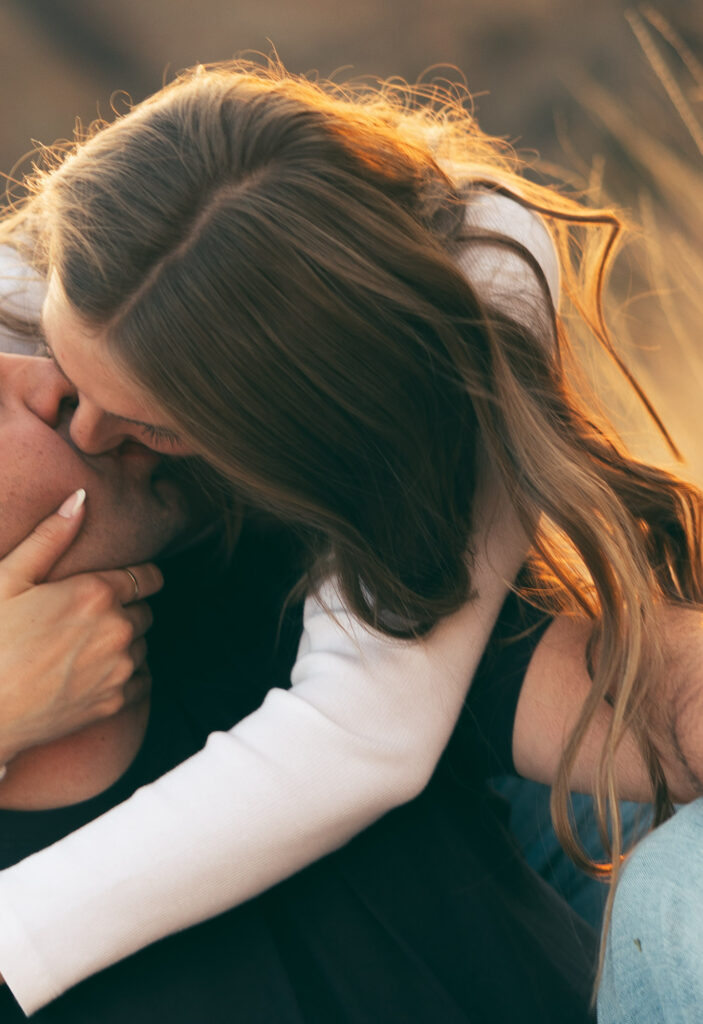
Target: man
[(133, 511), (422, 918)]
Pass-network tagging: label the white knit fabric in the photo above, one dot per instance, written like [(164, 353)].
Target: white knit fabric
[(359, 732), (22, 292)]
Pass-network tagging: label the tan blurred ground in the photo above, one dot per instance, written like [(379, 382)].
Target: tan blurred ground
[(59, 58), (566, 78)]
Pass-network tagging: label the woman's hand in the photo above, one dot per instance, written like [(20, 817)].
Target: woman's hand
[(73, 651)]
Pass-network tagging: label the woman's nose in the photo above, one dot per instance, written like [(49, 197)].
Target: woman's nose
[(93, 430)]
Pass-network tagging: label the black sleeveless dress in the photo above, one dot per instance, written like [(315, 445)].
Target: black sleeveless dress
[(429, 917)]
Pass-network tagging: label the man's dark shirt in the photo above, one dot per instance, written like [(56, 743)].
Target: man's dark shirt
[(431, 916)]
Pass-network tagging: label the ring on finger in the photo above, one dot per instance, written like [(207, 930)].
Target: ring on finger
[(135, 584)]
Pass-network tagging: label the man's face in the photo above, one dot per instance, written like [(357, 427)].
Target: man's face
[(133, 510)]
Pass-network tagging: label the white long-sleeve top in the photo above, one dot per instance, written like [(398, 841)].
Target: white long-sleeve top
[(359, 732)]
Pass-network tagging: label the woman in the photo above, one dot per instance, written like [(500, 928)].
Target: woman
[(263, 273)]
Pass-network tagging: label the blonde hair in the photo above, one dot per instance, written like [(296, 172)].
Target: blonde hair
[(273, 259)]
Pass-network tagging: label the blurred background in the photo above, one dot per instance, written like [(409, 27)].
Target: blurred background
[(608, 95)]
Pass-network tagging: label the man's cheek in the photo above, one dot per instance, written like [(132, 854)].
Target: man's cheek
[(111, 539), (35, 478), (22, 508)]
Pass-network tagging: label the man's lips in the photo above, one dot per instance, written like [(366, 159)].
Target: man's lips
[(133, 452), (134, 465)]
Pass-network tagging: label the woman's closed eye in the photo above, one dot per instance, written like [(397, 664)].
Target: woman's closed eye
[(159, 435)]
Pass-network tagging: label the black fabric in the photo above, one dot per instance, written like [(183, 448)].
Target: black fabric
[(484, 734), (429, 917)]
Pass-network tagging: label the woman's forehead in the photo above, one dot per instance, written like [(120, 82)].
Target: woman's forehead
[(84, 359)]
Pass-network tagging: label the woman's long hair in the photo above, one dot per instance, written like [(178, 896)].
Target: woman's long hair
[(274, 261)]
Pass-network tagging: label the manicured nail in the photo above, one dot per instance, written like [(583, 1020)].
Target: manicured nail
[(72, 504)]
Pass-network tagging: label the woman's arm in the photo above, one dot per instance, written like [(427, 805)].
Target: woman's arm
[(359, 733), (557, 683)]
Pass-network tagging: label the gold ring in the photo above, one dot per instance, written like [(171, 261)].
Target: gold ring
[(135, 584)]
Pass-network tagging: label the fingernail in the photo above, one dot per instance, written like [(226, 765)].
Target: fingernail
[(72, 504)]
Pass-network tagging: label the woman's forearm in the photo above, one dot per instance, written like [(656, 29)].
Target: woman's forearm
[(557, 683), (359, 733)]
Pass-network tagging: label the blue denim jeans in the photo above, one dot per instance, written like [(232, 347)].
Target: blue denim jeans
[(653, 971), (654, 952), (531, 824)]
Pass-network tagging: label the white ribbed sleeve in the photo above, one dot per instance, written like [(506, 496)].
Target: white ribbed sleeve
[(359, 733)]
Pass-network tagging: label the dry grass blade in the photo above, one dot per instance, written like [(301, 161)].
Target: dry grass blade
[(660, 68), (665, 30), (671, 293), (656, 293), (673, 175)]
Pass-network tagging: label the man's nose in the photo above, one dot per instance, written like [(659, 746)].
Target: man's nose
[(93, 430), (44, 390)]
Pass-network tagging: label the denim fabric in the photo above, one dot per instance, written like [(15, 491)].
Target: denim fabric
[(654, 954), (531, 824)]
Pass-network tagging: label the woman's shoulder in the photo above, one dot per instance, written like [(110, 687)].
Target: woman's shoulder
[(501, 275), (22, 292)]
